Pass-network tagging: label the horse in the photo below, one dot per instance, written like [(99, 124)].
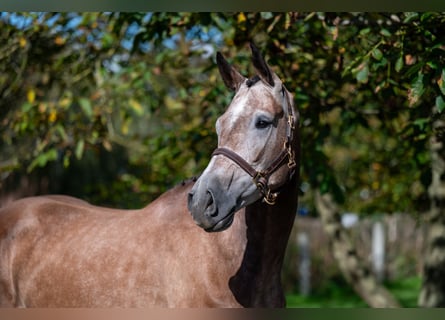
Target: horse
[(215, 241)]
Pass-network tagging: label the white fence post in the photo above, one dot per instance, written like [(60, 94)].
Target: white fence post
[(304, 267), (378, 250)]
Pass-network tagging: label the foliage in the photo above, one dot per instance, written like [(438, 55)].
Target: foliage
[(340, 295), (89, 94), (145, 87), (48, 105)]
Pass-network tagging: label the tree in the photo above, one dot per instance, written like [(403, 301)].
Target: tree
[(87, 98), (413, 46), (48, 72), (433, 288), (358, 275)]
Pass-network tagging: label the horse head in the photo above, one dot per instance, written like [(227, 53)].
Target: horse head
[(255, 155)]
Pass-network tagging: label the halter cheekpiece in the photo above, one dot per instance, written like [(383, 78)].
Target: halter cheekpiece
[(261, 178)]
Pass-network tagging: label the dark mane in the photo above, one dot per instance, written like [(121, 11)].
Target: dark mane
[(250, 82)]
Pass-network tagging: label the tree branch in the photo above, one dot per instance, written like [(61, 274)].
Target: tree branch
[(355, 272)]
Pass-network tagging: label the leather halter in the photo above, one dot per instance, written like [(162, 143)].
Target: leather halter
[(261, 178)]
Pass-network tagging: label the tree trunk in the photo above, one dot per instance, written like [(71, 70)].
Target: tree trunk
[(356, 273), (432, 293)]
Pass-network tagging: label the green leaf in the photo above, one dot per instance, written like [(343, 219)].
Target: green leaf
[(42, 159), (434, 65), (409, 16), (79, 149), (399, 64), (421, 123), (377, 54), (85, 104), (440, 104), (362, 74), (26, 106), (417, 89), (426, 16), (66, 161), (61, 130), (365, 31), (385, 32)]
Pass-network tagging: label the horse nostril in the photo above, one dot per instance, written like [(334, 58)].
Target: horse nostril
[(211, 208), (205, 205), (209, 199), (190, 197)]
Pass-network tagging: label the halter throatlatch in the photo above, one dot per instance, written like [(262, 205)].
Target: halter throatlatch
[(261, 178)]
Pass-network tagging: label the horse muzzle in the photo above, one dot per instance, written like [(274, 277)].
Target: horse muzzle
[(211, 209)]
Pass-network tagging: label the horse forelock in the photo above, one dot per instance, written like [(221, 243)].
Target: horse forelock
[(250, 82)]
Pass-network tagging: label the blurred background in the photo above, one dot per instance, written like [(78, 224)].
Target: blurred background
[(116, 108)]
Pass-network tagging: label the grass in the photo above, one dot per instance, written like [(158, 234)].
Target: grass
[(406, 290), (339, 295)]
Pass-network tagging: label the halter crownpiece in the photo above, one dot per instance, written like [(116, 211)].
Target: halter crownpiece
[(261, 178)]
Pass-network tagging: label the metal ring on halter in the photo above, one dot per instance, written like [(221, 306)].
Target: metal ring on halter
[(270, 197), (291, 163)]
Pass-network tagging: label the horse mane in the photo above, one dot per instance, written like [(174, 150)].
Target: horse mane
[(250, 82), (189, 180)]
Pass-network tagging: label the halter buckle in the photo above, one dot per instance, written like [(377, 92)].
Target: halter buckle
[(291, 121), (260, 180), (291, 163), (290, 155)]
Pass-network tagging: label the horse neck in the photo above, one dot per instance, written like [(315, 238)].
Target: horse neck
[(258, 281)]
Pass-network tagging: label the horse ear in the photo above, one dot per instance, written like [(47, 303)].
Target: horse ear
[(231, 77), (261, 66)]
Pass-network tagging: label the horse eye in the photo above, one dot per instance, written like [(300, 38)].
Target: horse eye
[(262, 124)]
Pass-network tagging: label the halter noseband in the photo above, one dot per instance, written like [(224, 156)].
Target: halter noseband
[(261, 178)]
